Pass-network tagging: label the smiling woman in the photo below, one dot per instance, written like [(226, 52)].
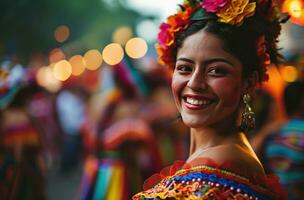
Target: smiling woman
[(218, 52), (206, 86)]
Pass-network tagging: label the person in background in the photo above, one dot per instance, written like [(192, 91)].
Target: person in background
[(22, 168), (267, 121), (70, 107), (283, 150)]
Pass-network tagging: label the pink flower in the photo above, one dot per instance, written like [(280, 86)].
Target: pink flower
[(167, 34), (164, 36), (213, 5)]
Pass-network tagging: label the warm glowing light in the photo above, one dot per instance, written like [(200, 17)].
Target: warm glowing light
[(92, 59), (275, 87), (113, 54), (46, 79), (41, 75), (62, 70), (56, 55), (289, 73), (122, 35), (275, 84), (136, 47), (62, 33), (78, 65), (296, 10)]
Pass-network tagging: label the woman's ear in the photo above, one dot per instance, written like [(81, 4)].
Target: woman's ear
[(251, 82)]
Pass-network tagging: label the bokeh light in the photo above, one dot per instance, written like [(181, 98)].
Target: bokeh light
[(136, 48), (275, 87), (147, 29), (45, 78), (113, 54), (295, 8), (56, 55), (92, 59), (275, 84), (62, 70), (78, 65), (122, 35), (289, 73), (62, 33)]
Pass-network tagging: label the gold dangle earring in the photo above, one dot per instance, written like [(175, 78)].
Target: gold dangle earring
[(248, 116)]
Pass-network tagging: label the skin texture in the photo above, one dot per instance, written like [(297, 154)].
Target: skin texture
[(211, 74), (207, 86)]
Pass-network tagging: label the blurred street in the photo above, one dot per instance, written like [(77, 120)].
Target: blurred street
[(86, 111)]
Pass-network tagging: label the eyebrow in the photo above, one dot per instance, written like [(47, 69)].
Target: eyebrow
[(186, 60), (206, 62)]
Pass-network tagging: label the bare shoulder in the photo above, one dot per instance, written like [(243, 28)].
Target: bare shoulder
[(242, 160)]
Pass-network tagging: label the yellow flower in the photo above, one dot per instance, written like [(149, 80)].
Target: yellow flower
[(235, 12)]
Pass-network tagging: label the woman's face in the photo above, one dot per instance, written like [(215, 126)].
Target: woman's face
[(207, 81)]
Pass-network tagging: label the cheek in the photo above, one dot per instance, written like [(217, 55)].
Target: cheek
[(177, 87), (228, 91)]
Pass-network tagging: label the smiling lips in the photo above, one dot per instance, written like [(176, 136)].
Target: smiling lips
[(196, 102)]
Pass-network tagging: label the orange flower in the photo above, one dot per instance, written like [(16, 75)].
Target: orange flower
[(235, 12), (168, 30)]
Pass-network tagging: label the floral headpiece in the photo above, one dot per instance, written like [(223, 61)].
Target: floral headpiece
[(232, 12)]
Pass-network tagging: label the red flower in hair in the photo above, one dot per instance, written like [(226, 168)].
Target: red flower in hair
[(165, 37), (167, 34)]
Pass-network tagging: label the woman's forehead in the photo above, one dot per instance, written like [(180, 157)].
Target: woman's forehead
[(202, 40), (204, 45)]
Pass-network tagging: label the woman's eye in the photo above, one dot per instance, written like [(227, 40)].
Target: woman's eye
[(217, 71), (184, 68)]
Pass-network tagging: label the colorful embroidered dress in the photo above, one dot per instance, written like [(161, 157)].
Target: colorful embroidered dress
[(209, 182), (21, 176)]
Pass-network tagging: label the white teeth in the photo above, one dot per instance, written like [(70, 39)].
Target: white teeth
[(197, 101)]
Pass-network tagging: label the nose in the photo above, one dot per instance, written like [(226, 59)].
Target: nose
[(197, 81)]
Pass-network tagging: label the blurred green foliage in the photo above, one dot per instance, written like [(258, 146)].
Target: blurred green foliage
[(27, 26)]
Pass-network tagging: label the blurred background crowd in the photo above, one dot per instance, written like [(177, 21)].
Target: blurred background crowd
[(86, 111)]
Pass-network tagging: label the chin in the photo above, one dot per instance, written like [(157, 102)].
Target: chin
[(194, 123)]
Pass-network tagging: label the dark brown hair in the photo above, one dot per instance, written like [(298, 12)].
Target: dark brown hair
[(241, 41)]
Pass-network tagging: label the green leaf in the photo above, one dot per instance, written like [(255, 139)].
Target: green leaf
[(201, 14), (193, 3)]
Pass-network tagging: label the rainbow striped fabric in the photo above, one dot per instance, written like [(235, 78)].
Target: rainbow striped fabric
[(104, 179), (284, 156)]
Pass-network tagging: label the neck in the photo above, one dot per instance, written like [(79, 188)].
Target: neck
[(213, 136)]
